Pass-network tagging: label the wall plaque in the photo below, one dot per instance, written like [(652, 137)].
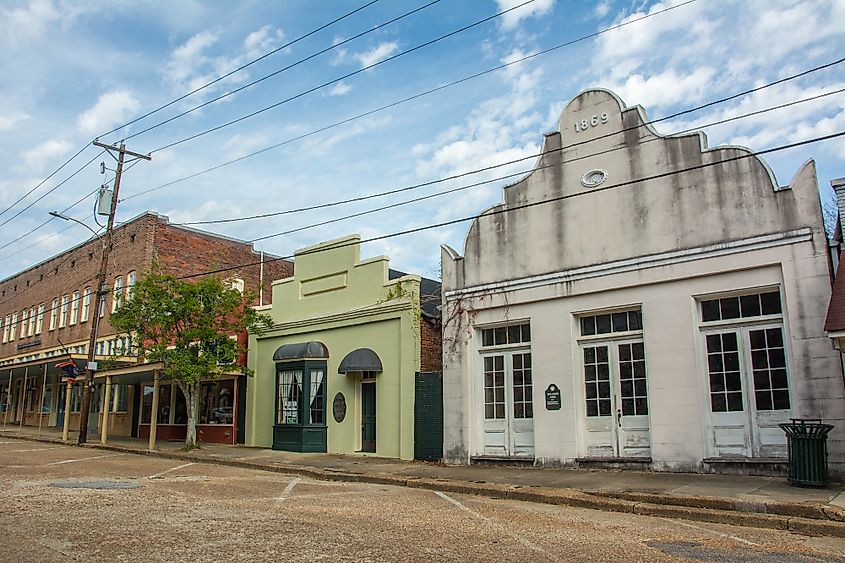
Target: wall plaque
[(552, 398), (339, 407)]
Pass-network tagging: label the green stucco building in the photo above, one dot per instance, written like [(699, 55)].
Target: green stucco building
[(336, 372)]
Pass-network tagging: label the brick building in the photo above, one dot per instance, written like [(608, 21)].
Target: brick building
[(45, 315)]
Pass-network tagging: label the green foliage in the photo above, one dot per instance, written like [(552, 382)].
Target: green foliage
[(186, 325)]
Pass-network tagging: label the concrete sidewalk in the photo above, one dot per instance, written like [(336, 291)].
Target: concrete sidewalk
[(768, 502)]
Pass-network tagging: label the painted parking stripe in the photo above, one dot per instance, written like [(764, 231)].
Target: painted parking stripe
[(729, 536), (36, 450), (82, 459), (158, 475), (493, 524), (288, 489)]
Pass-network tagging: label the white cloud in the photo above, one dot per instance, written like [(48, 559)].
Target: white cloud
[(36, 159), (602, 9), (665, 88), (376, 54), (340, 89), (9, 121), (512, 19), (111, 108), (28, 22)]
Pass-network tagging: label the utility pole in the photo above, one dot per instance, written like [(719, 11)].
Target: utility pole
[(101, 292)]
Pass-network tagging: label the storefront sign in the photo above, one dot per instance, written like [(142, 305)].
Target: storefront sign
[(339, 407), (28, 345), (552, 398)]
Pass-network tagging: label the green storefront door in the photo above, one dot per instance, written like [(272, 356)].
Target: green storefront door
[(368, 417)]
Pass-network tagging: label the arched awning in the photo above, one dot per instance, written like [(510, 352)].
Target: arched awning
[(301, 351), (362, 359)]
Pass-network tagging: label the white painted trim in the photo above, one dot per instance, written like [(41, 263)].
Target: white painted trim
[(644, 262)]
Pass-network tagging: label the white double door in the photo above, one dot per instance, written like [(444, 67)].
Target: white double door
[(749, 391), (506, 405), (616, 420)]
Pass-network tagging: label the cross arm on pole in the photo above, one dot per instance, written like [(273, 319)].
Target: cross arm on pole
[(113, 148)]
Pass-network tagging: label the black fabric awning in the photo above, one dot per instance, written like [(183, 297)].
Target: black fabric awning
[(362, 359), (301, 350)]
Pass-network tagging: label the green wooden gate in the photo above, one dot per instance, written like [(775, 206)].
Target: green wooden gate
[(428, 416)]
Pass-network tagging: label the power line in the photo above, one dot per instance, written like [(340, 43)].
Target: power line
[(48, 192), (42, 182), (523, 172), (341, 78), (281, 70), (515, 161), (31, 231), (503, 210), (240, 68), (408, 99)]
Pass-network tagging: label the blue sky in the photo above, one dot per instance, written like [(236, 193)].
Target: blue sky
[(74, 70)]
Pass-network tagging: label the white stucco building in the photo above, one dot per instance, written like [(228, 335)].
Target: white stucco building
[(642, 301)]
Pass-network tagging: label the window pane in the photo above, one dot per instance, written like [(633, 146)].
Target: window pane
[(499, 362), (591, 390), (732, 381), (500, 410), (735, 402), (620, 322), (604, 389), (750, 305), (759, 359), (774, 337), (770, 303), (500, 336), (529, 410), (624, 352), (729, 307), (641, 405), (635, 321), (729, 341), (601, 353), (779, 379), (718, 402), (592, 408), (589, 373), (757, 338), (628, 406), (487, 337), (488, 411), (627, 388), (731, 360), (604, 407), (710, 310), (590, 355), (761, 380), (526, 333), (717, 382), (638, 350), (640, 387), (714, 362), (513, 334), (714, 343), (518, 410), (602, 324), (764, 400), (780, 399)]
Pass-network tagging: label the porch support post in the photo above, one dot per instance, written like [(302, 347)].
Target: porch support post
[(8, 401), (104, 431), (154, 413), (67, 409), (23, 396), (41, 402)]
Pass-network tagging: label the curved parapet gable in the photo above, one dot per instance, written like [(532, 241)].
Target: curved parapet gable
[(615, 189)]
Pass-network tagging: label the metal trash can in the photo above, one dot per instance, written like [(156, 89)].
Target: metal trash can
[(807, 443)]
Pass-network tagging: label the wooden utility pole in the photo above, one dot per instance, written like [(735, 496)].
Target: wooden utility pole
[(101, 292)]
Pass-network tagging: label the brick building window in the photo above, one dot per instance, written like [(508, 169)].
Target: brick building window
[(74, 308), (102, 306), (31, 330), (117, 296), (130, 285), (6, 324), (24, 323), (14, 328), (54, 314), (64, 310), (86, 304), (39, 325)]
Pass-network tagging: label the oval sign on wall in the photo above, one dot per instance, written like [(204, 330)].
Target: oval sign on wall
[(339, 407)]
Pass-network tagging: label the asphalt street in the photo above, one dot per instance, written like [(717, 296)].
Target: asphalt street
[(60, 503)]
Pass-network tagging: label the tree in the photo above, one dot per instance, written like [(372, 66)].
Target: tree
[(189, 327)]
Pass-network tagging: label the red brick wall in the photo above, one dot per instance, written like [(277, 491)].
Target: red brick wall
[(135, 245), (73, 271), (431, 345), (182, 252)]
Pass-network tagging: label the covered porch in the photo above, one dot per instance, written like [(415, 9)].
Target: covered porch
[(158, 410)]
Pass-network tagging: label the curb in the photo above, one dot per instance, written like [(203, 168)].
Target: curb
[(808, 519)]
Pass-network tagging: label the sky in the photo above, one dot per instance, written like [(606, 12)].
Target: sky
[(74, 71)]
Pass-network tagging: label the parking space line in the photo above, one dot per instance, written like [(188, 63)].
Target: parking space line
[(36, 450), (735, 538), (493, 524), (288, 489), (82, 459), (159, 474)]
